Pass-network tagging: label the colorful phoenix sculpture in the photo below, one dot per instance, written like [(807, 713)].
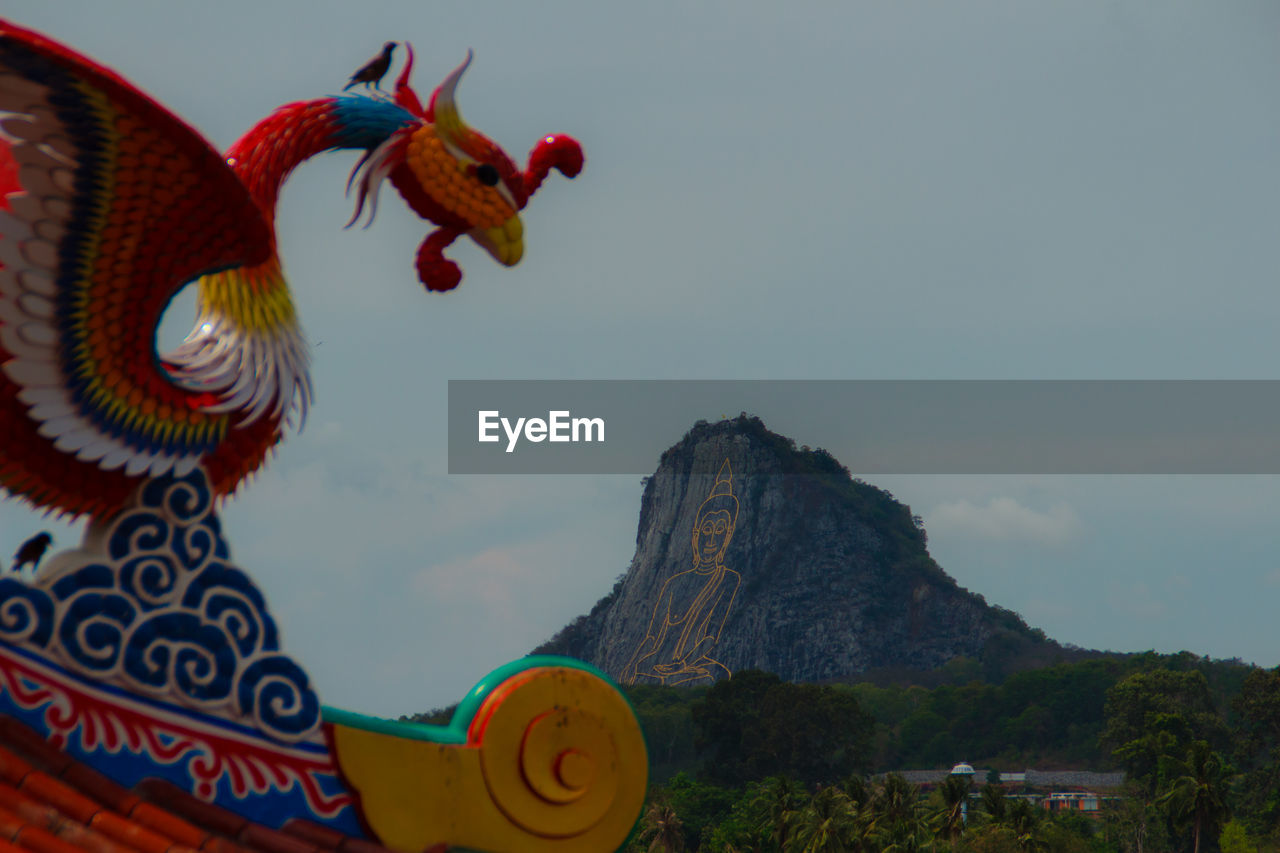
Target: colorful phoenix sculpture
[(148, 655), (124, 205)]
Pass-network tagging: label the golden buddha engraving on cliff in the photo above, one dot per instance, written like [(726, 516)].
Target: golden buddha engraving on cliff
[(692, 608)]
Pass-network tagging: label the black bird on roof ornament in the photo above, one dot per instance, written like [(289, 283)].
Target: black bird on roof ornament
[(372, 72), (32, 551)]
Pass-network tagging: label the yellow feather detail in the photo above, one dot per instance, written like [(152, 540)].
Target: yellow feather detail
[(129, 419), (255, 299), (162, 431), (116, 409), (101, 200)]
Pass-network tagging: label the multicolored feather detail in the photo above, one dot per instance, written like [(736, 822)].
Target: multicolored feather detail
[(122, 205), (247, 347)]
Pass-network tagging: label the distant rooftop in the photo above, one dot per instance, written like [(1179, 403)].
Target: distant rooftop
[(1074, 778), (933, 777), (1038, 778)]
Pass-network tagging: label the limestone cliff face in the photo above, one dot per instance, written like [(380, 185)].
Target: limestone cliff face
[(822, 576)]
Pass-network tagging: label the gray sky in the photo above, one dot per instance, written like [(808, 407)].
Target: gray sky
[(844, 190)]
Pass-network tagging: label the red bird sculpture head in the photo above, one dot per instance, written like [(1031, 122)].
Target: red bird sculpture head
[(458, 178)]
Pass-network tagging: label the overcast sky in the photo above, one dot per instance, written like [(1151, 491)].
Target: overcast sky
[(843, 190)]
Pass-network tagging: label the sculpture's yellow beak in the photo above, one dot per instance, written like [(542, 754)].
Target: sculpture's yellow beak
[(505, 242)]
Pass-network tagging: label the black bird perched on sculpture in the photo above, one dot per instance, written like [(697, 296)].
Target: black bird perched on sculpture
[(31, 551), (372, 72)]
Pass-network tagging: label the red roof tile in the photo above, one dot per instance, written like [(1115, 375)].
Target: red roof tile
[(51, 803)]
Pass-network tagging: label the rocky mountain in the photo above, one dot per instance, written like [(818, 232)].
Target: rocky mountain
[(753, 554)]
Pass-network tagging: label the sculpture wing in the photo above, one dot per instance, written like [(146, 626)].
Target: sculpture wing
[(121, 205)]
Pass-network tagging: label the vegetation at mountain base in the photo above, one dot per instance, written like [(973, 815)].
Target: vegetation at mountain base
[(1257, 746), (778, 815), (1051, 717), (756, 725), (757, 764)]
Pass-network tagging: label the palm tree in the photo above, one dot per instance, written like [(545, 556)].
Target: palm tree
[(829, 824), (898, 819), (954, 793), (856, 787), (1197, 790), (895, 798), (778, 801), (994, 803), (1024, 820), (663, 825)]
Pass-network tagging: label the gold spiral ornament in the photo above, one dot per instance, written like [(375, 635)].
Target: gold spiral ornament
[(563, 757)]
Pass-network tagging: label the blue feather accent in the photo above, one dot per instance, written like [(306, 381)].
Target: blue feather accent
[(367, 122)]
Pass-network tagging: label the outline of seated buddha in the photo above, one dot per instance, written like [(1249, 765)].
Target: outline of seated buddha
[(694, 604)]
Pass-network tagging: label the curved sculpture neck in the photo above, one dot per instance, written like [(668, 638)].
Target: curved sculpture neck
[(266, 155), (247, 352)]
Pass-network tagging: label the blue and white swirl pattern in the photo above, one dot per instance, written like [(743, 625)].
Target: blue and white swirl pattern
[(163, 613), (26, 615)]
